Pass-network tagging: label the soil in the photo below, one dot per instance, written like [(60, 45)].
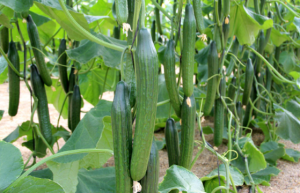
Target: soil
[(288, 179)]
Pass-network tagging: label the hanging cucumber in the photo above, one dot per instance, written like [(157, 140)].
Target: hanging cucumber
[(14, 80), (121, 11), (153, 29), (234, 50), (268, 32), (260, 50), (75, 108), (249, 74), (268, 79), (213, 63), (71, 88), (69, 3), (188, 52), (149, 182), (170, 76), (42, 108), (4, 38), (157, 19), (197, 4), (172, 143), (226, 7), (116, 32), (277, 56), (62, 68), (231, 93), (147, 94), (219, 115), (122, 137), (37, 51), (188, 117), (239, 112), (226, 29)]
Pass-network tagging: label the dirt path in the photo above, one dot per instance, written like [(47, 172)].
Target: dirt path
[(288, 181)]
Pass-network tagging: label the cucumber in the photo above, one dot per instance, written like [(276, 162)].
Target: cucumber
[(153, 29), (117, 32), (219, 115), (231, 93), (256, 6), (213, 63), (260, 50), (197, 4), (42, 108), (249, 74), (147, 95), (226, 7), (188, 52), (149, 182), (262, 6), (172, 143), (4, 38), (62, 68), (122, 137), (121, 11), (234, 50), (277, 56), (75, 108), (157, 19), (188, 116), (14, 80), (71, 88), (268, 78), (69, 3), (226, 28), (239, 112), (37, 51), (170, 76), (268, 32)]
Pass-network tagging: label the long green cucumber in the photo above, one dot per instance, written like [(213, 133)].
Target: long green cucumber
[(147, 95), (158, 20), (170, 76), (71, 88), (239, 112), (62, 68), (42, 108), (75, 108), (234, 50), (260, 80), (37, 51), (121, 11), (197, 4), (172, 143), (231, 92), (14, 80), (226, 28), (212, 83), (260, 50), (116, 32), (268, 79), (219, 115), (122, 137), (249, 74), (268, 32), (153, 30), (277, 56), (188, 116), (226, 7), (150, 180), (4, 38), (188, 52)]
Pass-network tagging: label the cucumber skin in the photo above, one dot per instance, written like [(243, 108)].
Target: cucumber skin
[(231, 92), (153, 30), (116, 32), (62, 68), (226, 28), (121, 11), (170, 77), (239, 112), (14, 80), (213, 63), (188, 116), (4, 35), (157, 19), (147, 94), (219, 115), (75, 108), (42, 108), (36, 48), (188, 53), (234, 50), (150, 181), (226, 7), (122, 137), (197, 4), (172, 142), (71, 88), (249, 75)]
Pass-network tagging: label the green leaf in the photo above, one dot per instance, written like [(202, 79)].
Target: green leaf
[(91, 84), (96, 160), (56, 97), (160, 144), (90, 18), (210, 185), (247, 24), (272, 151), (296, 22), (264, 176), (238, 177), (208, 130), (99, 180), (278, 37), (44, 173), (288, 125), (17, 5), (3, 70), (11, 165), (293, 107), (4, 20), (291, 155), (31, 184), (288, 61), (89, 50), (65, 174), (53, 9), (181, 179), (87, 133)]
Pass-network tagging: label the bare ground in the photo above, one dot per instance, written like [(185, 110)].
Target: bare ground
[(287, 181)]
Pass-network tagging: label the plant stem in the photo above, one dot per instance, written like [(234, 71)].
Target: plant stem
[(10, 64), (43, 139), (163, 103), (161, 9), (249, 174), (62, 107), (219, 188), (51, 38), (197, 155), (85, 33)]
